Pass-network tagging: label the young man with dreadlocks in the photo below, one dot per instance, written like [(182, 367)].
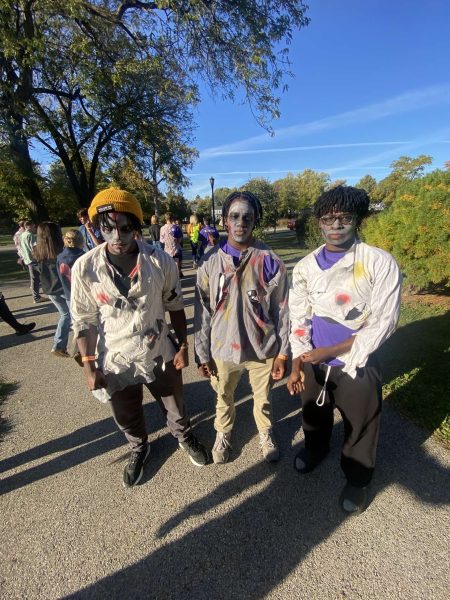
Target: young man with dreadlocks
[(120, 292), (344, 303), (241, 322)]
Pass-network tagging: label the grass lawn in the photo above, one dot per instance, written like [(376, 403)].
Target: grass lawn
[(9, 269)]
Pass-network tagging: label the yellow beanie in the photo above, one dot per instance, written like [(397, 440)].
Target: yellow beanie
[(115, 200)]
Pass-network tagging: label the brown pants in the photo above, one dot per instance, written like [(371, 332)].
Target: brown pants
[(128, 412)]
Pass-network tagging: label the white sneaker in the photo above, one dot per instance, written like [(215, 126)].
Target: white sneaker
[(268, 446), (222, 447)]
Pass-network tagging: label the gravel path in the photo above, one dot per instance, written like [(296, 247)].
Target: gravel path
[(244, 530)]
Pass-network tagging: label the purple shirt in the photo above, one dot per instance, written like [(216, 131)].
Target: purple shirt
[(205, 232), (326, 332), (270, 268)]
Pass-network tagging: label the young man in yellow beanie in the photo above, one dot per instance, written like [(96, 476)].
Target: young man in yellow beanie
[(120, 292)]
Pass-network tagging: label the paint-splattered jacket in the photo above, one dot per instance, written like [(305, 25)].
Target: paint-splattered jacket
[(361, 291), (132, 330), (238, 315)]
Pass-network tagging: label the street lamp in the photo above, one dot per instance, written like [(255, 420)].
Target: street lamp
[(211, 181)]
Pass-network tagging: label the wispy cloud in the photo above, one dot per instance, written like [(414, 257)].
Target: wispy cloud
[(407, 102), (314, 147)]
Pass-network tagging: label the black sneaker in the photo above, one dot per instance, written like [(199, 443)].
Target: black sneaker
[(306, 461), (134, 470), (197, 452), (353, 499), (24, 329)]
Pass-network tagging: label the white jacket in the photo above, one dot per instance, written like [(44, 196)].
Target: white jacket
[(132, 331), (361, 291)]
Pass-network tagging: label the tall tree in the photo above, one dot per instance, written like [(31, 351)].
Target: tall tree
[(77, 75), (367, 183), (404, 169), (263, 189)]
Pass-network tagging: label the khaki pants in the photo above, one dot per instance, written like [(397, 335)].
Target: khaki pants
[(228, 376)]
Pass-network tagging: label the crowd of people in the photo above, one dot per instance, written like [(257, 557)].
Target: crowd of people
[(116, 288)]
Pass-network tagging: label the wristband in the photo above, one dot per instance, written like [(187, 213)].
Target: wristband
[(85, 359), (283, 356)]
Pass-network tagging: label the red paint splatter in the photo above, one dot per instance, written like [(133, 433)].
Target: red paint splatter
[(342, 299), (103, 298), (235, 346), (65, 271)]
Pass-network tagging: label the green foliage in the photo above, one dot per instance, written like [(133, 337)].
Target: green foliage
[(89, 79), (369, 184), (264, 191), (414, 230), (404, 170)]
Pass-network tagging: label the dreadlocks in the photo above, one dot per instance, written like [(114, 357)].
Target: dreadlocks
[(342, 198), (101, 220), (251, 199)]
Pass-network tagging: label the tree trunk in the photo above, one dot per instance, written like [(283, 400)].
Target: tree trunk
[(20, 155)]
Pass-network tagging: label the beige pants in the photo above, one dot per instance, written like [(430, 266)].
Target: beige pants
[(228, 376)]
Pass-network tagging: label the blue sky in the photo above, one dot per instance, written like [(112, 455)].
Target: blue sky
[(372, 83)]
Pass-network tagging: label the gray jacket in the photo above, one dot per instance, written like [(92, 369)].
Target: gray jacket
[(238, 315)]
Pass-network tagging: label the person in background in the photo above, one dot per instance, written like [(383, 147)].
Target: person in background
[(121, 292), (9, 318), (171, 237), (16, 238), (73, 249), (208, 236), (49, 244), (27, 243), (154, 231), (344, 303), (92, 237), (241, 322), (193, 230)]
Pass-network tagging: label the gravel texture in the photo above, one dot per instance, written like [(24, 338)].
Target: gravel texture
[(244, 530)]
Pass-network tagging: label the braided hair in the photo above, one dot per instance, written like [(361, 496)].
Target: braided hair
[(342, 198), (243, 195)]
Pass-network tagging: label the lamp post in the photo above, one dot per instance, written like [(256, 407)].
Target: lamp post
[(211, 181)]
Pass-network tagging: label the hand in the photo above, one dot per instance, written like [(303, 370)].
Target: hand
[(95, 378), (278, 368), (296, 382), (207, 369), (317, 356), (181, 359)]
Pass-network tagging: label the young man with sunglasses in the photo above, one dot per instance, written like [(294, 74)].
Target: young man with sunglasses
[(241, 322), (121, 291), (344, 303)]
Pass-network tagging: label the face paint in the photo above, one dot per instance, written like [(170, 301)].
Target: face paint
[(118, 233), (240, 222), (339, 233)]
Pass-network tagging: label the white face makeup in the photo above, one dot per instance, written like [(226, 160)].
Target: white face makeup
[(119, 233), (338, 229), (240, 221)]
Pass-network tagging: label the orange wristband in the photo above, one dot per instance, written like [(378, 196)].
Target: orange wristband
[(283, 356), (88, 358)]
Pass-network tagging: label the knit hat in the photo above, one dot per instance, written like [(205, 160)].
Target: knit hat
[(115, 200)]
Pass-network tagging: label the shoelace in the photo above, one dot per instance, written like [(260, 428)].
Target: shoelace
[(222, 443), (265, 439)]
